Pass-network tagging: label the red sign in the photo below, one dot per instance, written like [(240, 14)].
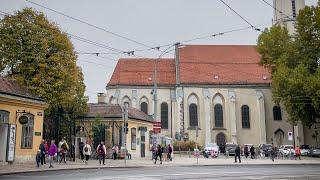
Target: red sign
[(157, 127)]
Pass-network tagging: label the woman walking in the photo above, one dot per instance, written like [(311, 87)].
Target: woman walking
[(52, 152)]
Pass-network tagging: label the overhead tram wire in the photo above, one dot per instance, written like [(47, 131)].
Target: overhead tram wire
[(89, 24), (255, 28)]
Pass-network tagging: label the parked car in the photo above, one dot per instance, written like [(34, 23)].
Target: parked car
[(231, 148), (211, 149), (315, 152), (286, 150), (266, 149), (305, 150)]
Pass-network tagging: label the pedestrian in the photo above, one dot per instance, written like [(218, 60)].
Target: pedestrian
[(273, 152), (114, 152), (38, 157), (63, 151), (101, 150), (86, 151), (252, 152), (81, 145), (169, 152), (159, 154), (154, 151), (42, 152), (246, 151), (46, 152), (298, 153), (237, 154), (52, 152)]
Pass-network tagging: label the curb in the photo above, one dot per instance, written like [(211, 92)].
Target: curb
[(163, 166)]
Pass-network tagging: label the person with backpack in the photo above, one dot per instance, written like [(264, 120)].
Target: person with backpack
[(63, 151), (101, 150), (86, 151)]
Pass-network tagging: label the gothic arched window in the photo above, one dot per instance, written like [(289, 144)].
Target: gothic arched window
[(245, 116), (218, 115)]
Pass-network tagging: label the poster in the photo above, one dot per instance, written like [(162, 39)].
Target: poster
[(11, 142)]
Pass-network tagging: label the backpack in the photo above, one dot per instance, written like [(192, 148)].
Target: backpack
[(100, 149), (86, 149), (64, 147)]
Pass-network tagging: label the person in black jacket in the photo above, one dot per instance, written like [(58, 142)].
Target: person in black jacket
[(81, 145), (42, 152), (237, 154), (252, 152), (159, 153)]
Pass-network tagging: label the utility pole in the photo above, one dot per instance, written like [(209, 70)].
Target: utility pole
[(125, 126)]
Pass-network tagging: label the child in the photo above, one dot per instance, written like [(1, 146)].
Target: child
[(38, 157)]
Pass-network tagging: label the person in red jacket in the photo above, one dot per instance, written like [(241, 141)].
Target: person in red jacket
[(298, 153)]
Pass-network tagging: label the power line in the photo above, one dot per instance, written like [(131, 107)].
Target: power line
[(89, 24), (255, 28)]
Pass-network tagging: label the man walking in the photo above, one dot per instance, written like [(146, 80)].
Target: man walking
[(81, 145), (101, 150), (169, 152), (86, 152), (252, 152), (42, 152), (237, 154), (52, 152), (273, 152), (246, 151)]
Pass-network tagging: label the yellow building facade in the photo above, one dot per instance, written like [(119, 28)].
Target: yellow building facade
[(21, 122)]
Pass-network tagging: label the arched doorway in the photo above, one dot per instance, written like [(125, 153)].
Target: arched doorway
[(221, 141), (278, 137)]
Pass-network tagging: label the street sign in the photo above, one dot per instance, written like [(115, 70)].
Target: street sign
[(157, 127), (290, 136)]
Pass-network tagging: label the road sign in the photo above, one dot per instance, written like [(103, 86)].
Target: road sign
[(157, 127), (290, 136)]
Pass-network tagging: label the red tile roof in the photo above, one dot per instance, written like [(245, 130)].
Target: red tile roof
[(140, 72), (199, 64), (11, 87), (221, 64)]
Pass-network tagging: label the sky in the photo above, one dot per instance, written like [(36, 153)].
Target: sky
[(149, 22)]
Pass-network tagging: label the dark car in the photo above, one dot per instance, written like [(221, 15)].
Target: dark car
[(230, 148), (266, 149)]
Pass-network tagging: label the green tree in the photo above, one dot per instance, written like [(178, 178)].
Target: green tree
[(41, 57), (294, 61)]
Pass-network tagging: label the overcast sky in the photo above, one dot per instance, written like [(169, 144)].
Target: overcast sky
[(151, 22)]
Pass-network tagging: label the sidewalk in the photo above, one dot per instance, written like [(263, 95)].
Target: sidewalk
[(178, 161)]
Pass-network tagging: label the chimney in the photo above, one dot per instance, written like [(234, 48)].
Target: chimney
[(101, 98)]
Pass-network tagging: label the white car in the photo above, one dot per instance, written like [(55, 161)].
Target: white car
[(211, 149), (305, 150), (286, 150)]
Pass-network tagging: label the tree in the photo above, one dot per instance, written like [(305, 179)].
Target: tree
[(294, 62), (41, 57)]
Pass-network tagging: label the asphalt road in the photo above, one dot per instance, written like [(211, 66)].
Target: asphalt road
[(196, 172)]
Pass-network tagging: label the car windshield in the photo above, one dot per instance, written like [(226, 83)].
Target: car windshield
[(304, 147), (231, 146)]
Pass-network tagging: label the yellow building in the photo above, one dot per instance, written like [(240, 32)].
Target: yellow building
[(21, 122), (109, 118)]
